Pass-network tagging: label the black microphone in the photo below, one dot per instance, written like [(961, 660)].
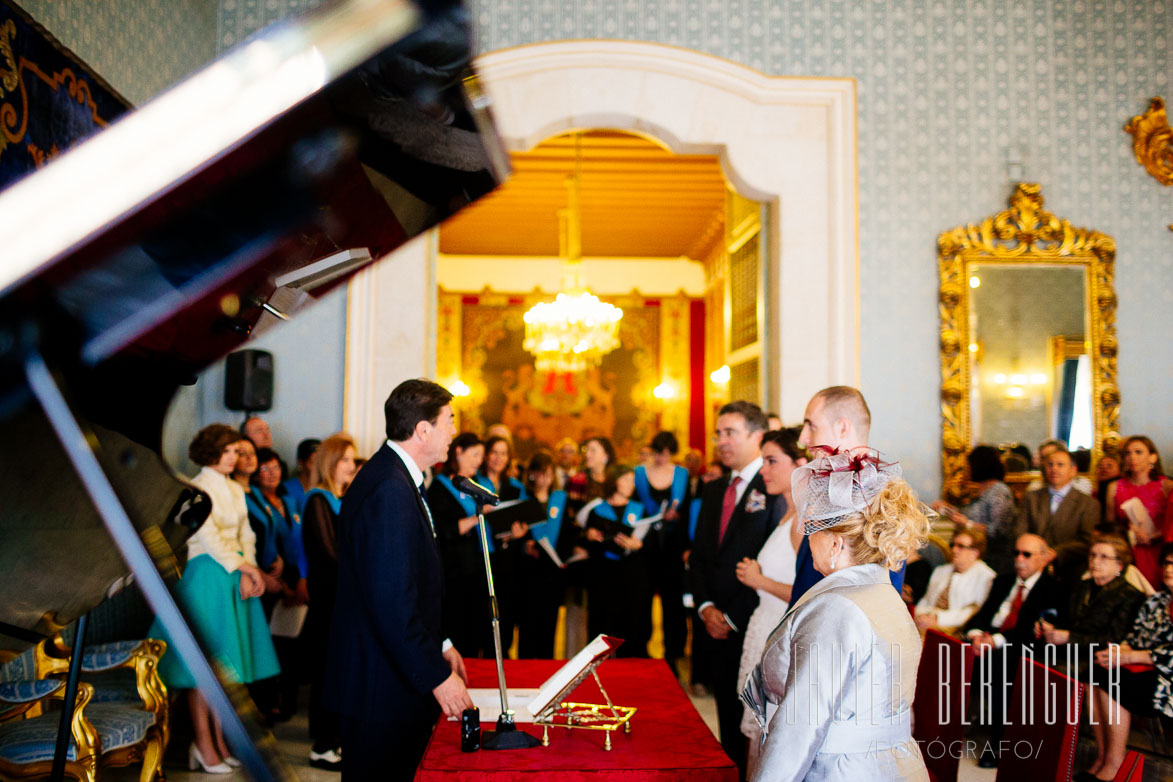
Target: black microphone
[(475, 490)]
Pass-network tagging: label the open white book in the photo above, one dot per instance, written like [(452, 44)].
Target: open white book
[(545, 545), (287, 621), (555, 689)]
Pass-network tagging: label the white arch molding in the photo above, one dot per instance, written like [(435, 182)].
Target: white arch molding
[(789, 142)]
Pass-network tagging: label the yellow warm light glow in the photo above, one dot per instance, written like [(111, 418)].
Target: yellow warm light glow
[(975, 281), (571, 333), (1018, 380), (721, 375), (973, 348), (1000, 378), (1038, 379), (664, 391), (1015, 392), (459, 388)]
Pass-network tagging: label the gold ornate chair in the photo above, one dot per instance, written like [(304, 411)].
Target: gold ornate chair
[(129, 706), (28, 734)]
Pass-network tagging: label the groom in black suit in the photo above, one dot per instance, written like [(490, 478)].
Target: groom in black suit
[(736, 517), (391, 671)]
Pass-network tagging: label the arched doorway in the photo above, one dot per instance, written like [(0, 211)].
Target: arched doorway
[(787, 142)]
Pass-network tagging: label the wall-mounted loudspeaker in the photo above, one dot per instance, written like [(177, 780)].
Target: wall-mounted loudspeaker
[(248, 381)]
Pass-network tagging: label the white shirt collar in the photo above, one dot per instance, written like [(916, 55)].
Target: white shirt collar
[(1030, 582), (417, 475), (747, 472)]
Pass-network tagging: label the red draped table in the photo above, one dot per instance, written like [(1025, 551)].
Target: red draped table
[(668, 739)]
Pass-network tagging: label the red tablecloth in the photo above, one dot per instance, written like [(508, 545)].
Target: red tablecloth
[(668, 739)]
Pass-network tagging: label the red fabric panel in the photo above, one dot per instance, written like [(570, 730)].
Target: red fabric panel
[(1131, 769), (697, 436), (668, 740), (1051, 747), (946, 666)]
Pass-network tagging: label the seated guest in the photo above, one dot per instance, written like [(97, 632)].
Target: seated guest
[(1107, 473), (958, 589), (1061, 515), (1048, 447), (1143, 480), (617, 579), (1145, 682), (257, 431), (332, 474), (1099, 611), (1003, 625), (467, 621), (993, 509)]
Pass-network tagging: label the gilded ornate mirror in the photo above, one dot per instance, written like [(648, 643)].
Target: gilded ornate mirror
[(1028, 335)]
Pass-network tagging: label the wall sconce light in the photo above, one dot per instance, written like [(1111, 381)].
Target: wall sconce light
[(1000, 378), (975, 281), (459, 388), (721, 375)]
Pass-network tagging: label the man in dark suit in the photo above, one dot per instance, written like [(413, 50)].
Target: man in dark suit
[(1062, 515), (1004, 624), (736, 517), (391, 672)]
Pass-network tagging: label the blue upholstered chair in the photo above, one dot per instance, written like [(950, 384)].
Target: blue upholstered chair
[(125, 718), (28, 734)]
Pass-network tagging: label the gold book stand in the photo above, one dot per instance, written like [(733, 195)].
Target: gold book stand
[(559, 713)]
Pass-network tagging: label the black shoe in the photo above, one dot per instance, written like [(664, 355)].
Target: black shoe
[(988, 759)]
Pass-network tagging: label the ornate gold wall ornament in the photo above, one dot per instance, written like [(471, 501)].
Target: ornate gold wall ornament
[(1152, 141), (1022, 234)]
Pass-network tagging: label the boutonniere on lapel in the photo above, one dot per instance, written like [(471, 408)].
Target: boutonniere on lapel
[(756, 502)]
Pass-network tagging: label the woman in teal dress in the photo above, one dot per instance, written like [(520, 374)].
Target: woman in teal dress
[(219, 594)]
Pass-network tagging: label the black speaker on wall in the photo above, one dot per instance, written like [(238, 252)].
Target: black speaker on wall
[(248, 381)]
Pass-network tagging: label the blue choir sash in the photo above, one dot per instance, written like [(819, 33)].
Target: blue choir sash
[(466, 501), (631, 514), (335, 503), (694, 514), (483, 480), (292, 548), (259, 509), (551, 528), (643, 489)]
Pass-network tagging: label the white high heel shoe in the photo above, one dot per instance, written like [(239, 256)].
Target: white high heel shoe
[(196, 761), (231, 761)]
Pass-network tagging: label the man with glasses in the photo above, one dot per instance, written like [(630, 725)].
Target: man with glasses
[(736, 517), (957, 589), (1005, 623)]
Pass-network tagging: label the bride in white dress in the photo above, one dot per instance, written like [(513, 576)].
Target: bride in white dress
[(772, 573)]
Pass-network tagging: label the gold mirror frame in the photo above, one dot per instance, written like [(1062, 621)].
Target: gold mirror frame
[(1025, 233)]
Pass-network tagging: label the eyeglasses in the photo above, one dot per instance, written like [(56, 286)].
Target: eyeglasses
[(961, 545), (1108, 557), (1024, 554), (270, 468), (1167, 563)]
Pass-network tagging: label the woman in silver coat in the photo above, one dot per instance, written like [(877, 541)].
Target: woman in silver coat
[(835, 686)]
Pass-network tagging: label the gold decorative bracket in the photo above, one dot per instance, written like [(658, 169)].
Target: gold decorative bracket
[(587, 716), (1152, 141), (1025, 233)]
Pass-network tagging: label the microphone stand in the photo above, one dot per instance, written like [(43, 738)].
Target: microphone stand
[(507, 736)]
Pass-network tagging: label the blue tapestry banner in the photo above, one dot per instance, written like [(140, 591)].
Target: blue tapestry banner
[(49, 99)]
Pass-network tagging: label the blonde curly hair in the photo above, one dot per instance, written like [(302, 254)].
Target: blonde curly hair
[(893, 527)]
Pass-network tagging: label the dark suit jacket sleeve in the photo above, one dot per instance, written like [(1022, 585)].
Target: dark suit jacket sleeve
[(984, 618), (387, 538), (700, 563), (740, 607), (1089, 517), (1109, 617)]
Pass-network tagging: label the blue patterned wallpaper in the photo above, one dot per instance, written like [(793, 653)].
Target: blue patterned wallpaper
[(949, 90), (139, 47)]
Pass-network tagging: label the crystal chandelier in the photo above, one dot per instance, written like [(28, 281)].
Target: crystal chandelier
[(573, 332)]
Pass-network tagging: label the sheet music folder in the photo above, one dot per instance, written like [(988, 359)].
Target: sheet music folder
[(555, 689)]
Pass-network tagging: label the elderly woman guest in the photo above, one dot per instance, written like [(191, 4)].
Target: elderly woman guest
[(1143, 480), (993, 508), (332, 472), (218, 592), (957, 590), (1145, 685), (772, 573), (1100, 610), (850, 634), (466, 613)]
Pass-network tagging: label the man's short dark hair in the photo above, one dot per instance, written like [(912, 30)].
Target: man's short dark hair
[(985, 464), (306, 448), (755, 419), (413, 401)]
